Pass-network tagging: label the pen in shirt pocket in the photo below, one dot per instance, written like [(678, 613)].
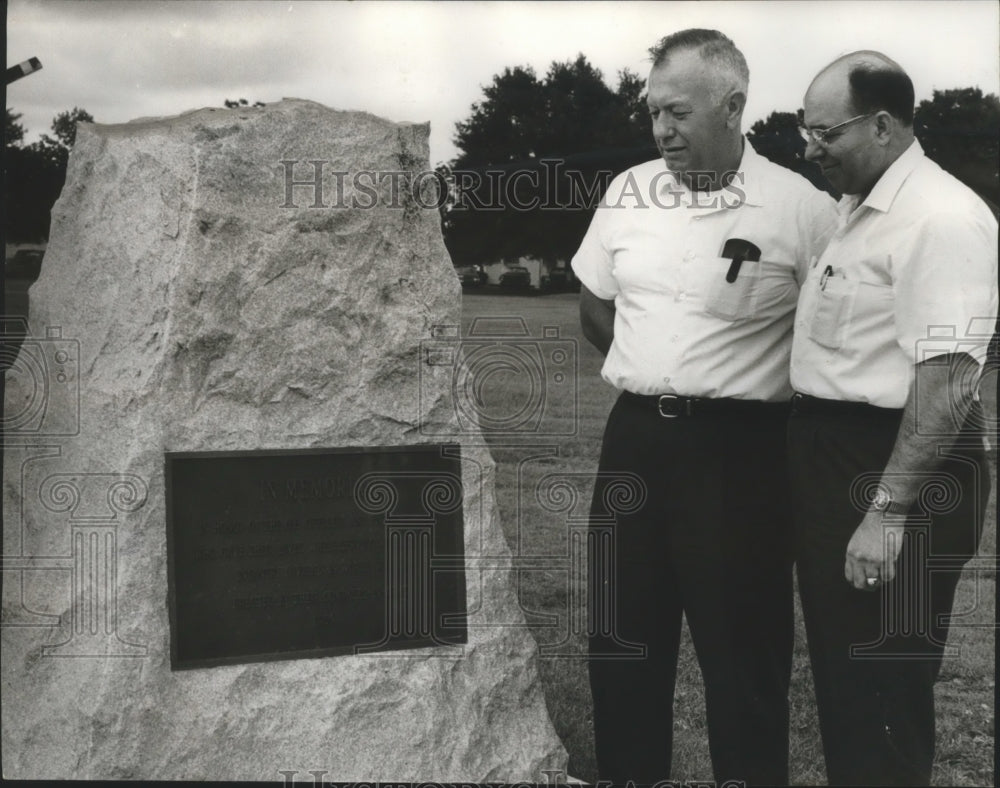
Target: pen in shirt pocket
[(825, 276), (738, 250)]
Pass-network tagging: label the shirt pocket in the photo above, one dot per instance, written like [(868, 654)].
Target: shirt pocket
[(732, 301), (834, 311)]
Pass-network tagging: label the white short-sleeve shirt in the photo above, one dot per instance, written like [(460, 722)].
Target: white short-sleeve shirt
[(911, 273), (655, 248)]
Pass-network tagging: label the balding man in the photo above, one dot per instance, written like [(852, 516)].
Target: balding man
[(691, 270), (890, 479)]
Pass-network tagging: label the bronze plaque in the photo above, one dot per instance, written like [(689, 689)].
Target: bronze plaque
[(305, 553)]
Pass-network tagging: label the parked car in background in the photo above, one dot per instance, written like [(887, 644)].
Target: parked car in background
[(555, 279), (471, 275), (516, 277)]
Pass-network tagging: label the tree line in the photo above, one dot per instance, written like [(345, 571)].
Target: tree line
[(523, 125), (34, 174), (536, 154)]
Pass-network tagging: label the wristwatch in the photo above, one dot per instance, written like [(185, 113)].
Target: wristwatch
[(882, 502)]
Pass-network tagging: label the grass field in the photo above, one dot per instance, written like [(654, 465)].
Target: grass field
[(565, 440)]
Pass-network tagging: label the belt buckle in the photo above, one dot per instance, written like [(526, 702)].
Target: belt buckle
[(668, 398)]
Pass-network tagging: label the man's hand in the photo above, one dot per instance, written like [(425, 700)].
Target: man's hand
[(872, 552), (945, 386)]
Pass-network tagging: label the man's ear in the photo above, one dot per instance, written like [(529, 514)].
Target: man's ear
[(885, 127), (735, 102)]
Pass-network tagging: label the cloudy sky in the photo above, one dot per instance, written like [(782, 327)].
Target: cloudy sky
[(428, 61)]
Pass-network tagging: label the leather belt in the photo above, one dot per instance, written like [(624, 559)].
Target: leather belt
[(806, 403), (671, 406)]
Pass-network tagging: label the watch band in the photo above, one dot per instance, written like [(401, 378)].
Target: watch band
[(883, 502), (894, 507)]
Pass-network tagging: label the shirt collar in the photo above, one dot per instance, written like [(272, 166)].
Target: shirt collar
[(745, 187), (887, 187)]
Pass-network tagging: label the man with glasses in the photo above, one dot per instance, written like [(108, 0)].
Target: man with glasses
[(889, 476), (691, 269)]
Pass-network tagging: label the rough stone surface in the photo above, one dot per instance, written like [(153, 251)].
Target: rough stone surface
[(197, 311)]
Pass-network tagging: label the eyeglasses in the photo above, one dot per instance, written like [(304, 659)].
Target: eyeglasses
[(823, 136)]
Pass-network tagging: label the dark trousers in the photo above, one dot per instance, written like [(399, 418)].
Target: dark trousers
[(689, 516), (876, 654)]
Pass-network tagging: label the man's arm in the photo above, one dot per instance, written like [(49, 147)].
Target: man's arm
[(938, 402), (597, 316)]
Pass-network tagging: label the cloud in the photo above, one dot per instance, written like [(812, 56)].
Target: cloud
[(422, 61)]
